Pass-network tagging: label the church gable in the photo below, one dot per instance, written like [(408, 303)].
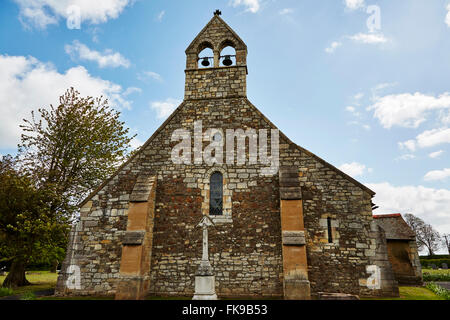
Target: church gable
[(280, 212)]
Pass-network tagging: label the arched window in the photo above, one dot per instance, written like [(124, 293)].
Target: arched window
[(216, 194), (227, 54), (205, 56)]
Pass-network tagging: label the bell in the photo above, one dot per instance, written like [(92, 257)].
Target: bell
[(205, 62), (227, 61)]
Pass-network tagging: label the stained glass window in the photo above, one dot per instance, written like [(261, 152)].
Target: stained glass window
[(216, 194)]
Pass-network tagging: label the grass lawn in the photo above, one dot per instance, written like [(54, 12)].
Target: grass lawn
[(430, 275), (40, 280), (412, 293), (44, 280), (436, 272)]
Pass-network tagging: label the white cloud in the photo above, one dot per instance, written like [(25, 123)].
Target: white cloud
[(407, 110), (27, 84), (77, 50), (433, 137), (437, 175), (161, 15), (406, 157), (253, 6), (136, 143), (132, 90), (380, 87), (354, 4), (429, 204), (427, 139), (354, 111), (447, 17), (408, 145), (358, 96), (350, 109), (354, 169), (286, 11), (369, 38), (165, 108), (435, 155), (150, 74), (332, 48), (42, 13), (445, 117)]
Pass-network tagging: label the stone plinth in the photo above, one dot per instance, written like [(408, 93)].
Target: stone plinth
[(205, 288)]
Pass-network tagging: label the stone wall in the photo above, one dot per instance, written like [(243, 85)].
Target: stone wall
[(222, 82), (245, 254)]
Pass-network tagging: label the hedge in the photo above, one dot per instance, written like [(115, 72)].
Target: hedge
[(426, 263)]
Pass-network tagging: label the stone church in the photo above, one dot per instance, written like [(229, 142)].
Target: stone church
[(301, 230)]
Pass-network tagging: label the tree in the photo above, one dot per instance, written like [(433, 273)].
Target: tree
[(431, 239), (446, 241), (416, 224), (65, 154), (75, 146), (425, 234), (29, 230)]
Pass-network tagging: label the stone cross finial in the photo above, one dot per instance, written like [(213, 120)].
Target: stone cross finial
[(205, 267), (218, 13)]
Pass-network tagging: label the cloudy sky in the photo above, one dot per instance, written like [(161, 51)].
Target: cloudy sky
[(363, 84)]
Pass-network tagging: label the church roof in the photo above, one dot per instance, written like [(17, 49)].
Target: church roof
[(216, 20), (395, 227)]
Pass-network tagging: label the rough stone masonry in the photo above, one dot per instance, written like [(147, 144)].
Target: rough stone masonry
[(299, 234)]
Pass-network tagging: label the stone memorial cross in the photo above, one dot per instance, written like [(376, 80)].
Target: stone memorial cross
[(205, 266)]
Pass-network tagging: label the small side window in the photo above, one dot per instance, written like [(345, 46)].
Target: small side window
[(330, 230)]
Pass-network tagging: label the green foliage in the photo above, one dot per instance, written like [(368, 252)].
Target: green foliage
[(436, 256), (4, 292), (65, 152), (437, 289), (28, 296), (75, 146), (426, 263), (29, 229), (436, 275)]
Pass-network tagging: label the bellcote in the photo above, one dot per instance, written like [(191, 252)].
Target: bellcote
[(220, 74)]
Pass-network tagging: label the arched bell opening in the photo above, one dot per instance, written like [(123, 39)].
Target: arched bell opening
[(205, 56), (228, 56)]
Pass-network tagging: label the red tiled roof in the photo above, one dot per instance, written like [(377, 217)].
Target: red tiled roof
[(393, 215), (395, 227)]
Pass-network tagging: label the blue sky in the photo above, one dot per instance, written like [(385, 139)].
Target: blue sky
[(371, 99)]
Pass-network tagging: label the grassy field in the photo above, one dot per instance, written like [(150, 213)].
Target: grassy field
[(412, 293), (440, 272), (430, 275), (40, 280), (44, 280)]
